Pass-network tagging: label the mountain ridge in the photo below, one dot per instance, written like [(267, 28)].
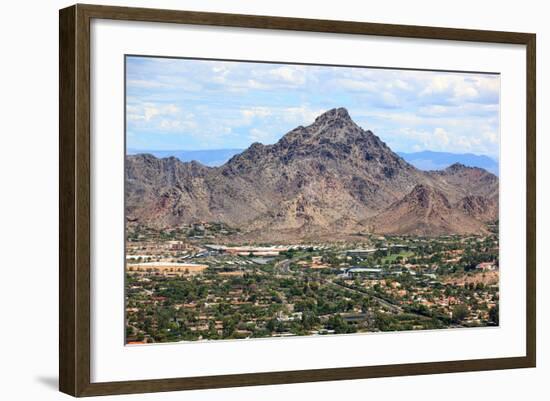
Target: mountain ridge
[(426, 211), (427, 160), (331, 175)]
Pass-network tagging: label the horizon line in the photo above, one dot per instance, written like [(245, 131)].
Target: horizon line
[(133, 149)]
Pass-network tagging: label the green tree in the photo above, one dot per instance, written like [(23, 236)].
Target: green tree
[(460, 312), (228, 327)]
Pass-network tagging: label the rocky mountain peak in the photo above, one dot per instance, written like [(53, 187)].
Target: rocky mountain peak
[(335, 114), (330, 175), (426, 196), (459, 167), (425, 211), (333, 129), (335, 120)]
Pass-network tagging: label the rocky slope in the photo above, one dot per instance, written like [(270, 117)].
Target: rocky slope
[(425, 211), (479, 207), (328, 178), (460, 181)]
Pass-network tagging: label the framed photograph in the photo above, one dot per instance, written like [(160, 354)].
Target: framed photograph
[(250, 200)]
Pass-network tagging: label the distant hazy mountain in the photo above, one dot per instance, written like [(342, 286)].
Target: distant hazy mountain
[(208, 157), (329, 179), (429, 160), (426, 160)]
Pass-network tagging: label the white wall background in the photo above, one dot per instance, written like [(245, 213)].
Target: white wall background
[(28, 197)]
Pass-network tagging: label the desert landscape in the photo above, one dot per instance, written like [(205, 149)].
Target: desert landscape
[(331, 178), (319, 229)]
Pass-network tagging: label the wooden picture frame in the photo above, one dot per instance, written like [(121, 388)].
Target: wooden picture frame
[(74, 199)]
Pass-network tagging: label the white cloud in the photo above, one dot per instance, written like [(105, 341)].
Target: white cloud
[(160, 118), (258, 135), (145, 83), (464, 90), (437, 84), (170, 124), (435, 109), (442, 137), (490, 136), (462, 87), (487, 83), (254, 112), (354, 85), (303, 115), (229, 101), (399, 84), (148, 111), (293, 75), (389, 99), (220, 73)]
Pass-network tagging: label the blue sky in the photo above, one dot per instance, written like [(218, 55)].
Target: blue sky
[(184, 104)]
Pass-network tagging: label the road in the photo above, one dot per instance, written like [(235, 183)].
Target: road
[(283, 265), (382, 302)]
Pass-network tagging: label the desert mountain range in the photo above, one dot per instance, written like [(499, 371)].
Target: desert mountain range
[(329, 179)]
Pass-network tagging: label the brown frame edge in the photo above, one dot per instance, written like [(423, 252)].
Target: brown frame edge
[(74, 199)]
